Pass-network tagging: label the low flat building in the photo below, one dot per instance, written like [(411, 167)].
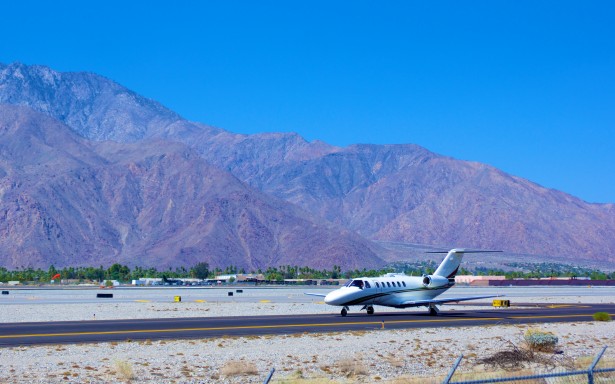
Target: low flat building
[(551, 282), (477, 280)]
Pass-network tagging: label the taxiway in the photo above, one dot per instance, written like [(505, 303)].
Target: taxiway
[(70, 332)]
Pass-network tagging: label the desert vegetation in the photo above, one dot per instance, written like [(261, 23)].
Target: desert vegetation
[(602, 316), (202, 270)]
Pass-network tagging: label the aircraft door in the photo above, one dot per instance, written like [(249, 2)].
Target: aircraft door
[(377, 287), (368, 289)]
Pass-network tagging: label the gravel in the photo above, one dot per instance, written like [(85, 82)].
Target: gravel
[(379, 355)]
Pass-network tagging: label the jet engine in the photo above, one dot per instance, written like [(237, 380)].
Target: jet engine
[(434, 281)]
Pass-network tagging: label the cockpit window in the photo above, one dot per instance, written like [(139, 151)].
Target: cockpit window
[(356, 283)]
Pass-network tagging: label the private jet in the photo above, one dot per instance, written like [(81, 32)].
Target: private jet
[(398, 290)]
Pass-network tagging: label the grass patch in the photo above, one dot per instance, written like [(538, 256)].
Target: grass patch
[(601, 316)]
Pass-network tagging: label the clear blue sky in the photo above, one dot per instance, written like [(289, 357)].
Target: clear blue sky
[(526, 86)]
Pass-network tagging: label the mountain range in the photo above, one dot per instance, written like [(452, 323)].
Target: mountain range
[(93, 173)]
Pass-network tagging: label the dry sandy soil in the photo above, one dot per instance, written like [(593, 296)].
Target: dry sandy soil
[(386, 356)]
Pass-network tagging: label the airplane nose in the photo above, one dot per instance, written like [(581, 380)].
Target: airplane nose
[(329, 298), (332, 298)]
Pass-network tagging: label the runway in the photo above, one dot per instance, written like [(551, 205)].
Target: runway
[(81, 295), (74, 332)]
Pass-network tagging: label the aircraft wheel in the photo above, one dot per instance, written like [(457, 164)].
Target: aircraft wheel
[(344, 312), (370, 310), (433, 312)]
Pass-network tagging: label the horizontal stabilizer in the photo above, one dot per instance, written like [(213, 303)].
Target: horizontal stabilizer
[(463, 251)]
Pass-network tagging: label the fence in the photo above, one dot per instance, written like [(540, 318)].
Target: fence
[(590, 372)]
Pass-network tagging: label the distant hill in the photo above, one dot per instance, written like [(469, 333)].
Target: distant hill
[(389, 193), (68, 201), (404, 193)]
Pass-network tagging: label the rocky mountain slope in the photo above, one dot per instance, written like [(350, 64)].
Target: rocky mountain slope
[(398, 193), (405, 193), (68, 201)]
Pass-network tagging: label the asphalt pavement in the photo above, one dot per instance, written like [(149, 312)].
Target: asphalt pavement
[(70, 332)]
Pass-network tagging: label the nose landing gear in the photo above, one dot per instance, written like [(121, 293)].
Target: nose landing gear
[(344, 311)]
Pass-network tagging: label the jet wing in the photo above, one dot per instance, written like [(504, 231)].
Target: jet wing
[(315, 294), (420, 303)]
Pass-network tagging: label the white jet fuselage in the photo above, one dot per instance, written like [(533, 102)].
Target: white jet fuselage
[(390, 291), (401, 291)]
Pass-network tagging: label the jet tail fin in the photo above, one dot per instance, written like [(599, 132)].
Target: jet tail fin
[(450, 265)]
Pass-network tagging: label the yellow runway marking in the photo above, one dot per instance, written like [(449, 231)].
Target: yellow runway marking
[(241, 327), (552, 316), (265, 301), (142, 301), (200, 301), (229, 328), (567, 306), (232, 328)]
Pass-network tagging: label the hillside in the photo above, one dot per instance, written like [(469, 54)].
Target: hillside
[(68, 201), (390, 193)]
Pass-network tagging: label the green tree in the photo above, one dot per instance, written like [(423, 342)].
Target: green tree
[(118, 272), (200, 270), (337, 270)]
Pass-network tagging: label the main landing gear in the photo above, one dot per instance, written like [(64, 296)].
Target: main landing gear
[(433, 310), (369, 309)]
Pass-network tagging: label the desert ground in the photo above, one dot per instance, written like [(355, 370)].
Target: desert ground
[(386, 356)]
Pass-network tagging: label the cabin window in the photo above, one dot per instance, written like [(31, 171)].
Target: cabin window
[(404, 283), (367, 284), (398, 284), (388, 284), (356, 283), (377, 285)]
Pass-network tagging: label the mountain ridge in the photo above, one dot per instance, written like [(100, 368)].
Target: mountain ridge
[(399, 192), (152, 203)]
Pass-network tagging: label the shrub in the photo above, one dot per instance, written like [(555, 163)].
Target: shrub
[(351, 367), (238, 368), (602, 316), (538, 340), (124, 370)]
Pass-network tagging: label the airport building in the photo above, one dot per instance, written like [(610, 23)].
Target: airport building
[(476, 280)]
